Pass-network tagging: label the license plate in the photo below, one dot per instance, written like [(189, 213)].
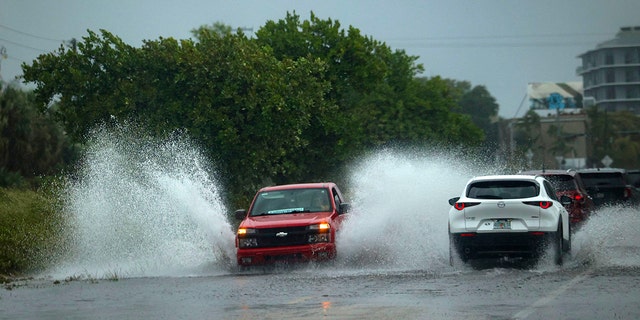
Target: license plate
[(502, 224)]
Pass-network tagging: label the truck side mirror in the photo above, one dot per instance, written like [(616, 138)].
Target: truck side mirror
[(240, 214), (344, 208)]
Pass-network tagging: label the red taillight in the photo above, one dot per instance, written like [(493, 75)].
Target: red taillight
[(578, 197), (627, 193), (536, 233), (541, 204), (467, 234), (461, 205)]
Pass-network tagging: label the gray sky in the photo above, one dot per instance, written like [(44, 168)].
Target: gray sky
[(501, 44)]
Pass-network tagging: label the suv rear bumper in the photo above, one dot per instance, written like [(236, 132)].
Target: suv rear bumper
[(489, 245), (302, 253)]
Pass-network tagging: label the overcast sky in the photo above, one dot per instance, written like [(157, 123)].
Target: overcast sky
[(501, 44)]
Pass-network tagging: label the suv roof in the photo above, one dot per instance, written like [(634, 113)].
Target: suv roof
[(611, 172), (601, 170), (547, 172), (503, 177)]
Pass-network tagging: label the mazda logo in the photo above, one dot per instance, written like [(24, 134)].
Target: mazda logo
[(281, 234), (501, 204)]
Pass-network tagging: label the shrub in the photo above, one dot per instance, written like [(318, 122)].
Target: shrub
[(31, 231)]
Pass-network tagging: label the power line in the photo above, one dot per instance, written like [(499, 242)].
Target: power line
[(496, 44), (498, 41), (29, 34), (504, 36), (22, 45)]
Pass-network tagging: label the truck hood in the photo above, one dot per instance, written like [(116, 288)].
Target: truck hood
[(286, 220)]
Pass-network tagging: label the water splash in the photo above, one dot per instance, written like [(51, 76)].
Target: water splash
[(142, 207), (400, 215), (400, 209), (610, 238)]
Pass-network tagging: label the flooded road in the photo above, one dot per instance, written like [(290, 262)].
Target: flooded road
[(321, 292), (151, 240), (600, 279)]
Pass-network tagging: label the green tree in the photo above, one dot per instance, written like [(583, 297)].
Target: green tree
[(31, 143), (614, 134), (481, 106), (248, 109), (527, 134), (378, 99), (295, 103), (217, 27)]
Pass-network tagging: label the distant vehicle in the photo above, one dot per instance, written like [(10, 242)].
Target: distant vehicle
[(508, 216), (633, 178), (568, 183), (290, 223), (607, 186)]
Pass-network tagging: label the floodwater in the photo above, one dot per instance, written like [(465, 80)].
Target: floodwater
[(140, 207), (151, 239)]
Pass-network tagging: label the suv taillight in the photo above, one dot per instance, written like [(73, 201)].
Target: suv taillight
[(461, 205), (541, 204), (627, 193)]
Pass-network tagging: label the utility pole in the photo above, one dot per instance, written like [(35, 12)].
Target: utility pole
[(3, 55)]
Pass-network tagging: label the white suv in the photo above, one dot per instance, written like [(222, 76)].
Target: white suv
[(508, 216)]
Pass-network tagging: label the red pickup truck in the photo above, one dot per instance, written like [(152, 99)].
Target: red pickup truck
[(289, 223)]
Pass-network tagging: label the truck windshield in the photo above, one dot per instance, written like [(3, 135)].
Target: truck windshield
[(291, 201)]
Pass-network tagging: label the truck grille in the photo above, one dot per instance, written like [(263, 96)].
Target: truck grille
[(287, 236)]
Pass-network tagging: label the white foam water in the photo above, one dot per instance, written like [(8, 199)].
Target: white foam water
[(141, 207), (610, 238), (400, 209)]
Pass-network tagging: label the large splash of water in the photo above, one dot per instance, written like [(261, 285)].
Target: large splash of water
[(400, 209), (610, 238), (142, 207)]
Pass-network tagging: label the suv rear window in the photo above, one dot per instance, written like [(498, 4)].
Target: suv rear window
[(503, 190), (603, 179), (562, 182)]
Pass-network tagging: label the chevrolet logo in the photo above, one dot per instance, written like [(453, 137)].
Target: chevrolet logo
[(281, 234)]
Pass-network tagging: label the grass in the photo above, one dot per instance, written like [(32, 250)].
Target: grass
[(32, 232)]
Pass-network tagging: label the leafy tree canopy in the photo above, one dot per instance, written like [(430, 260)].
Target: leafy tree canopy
[(31, 143), (292, 104)]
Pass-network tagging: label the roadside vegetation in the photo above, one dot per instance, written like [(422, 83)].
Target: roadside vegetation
[(32, 232), (296, 101)]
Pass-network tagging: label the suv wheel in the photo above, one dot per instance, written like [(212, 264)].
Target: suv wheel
[(555, 244)]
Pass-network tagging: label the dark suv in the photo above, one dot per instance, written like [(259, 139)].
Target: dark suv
[(606, 186), (633, 178), (568, 183)]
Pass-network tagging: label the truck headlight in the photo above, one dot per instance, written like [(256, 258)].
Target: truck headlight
[(244, 241), (320, 227), (320, 237), (247, 242), (245, 231)]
